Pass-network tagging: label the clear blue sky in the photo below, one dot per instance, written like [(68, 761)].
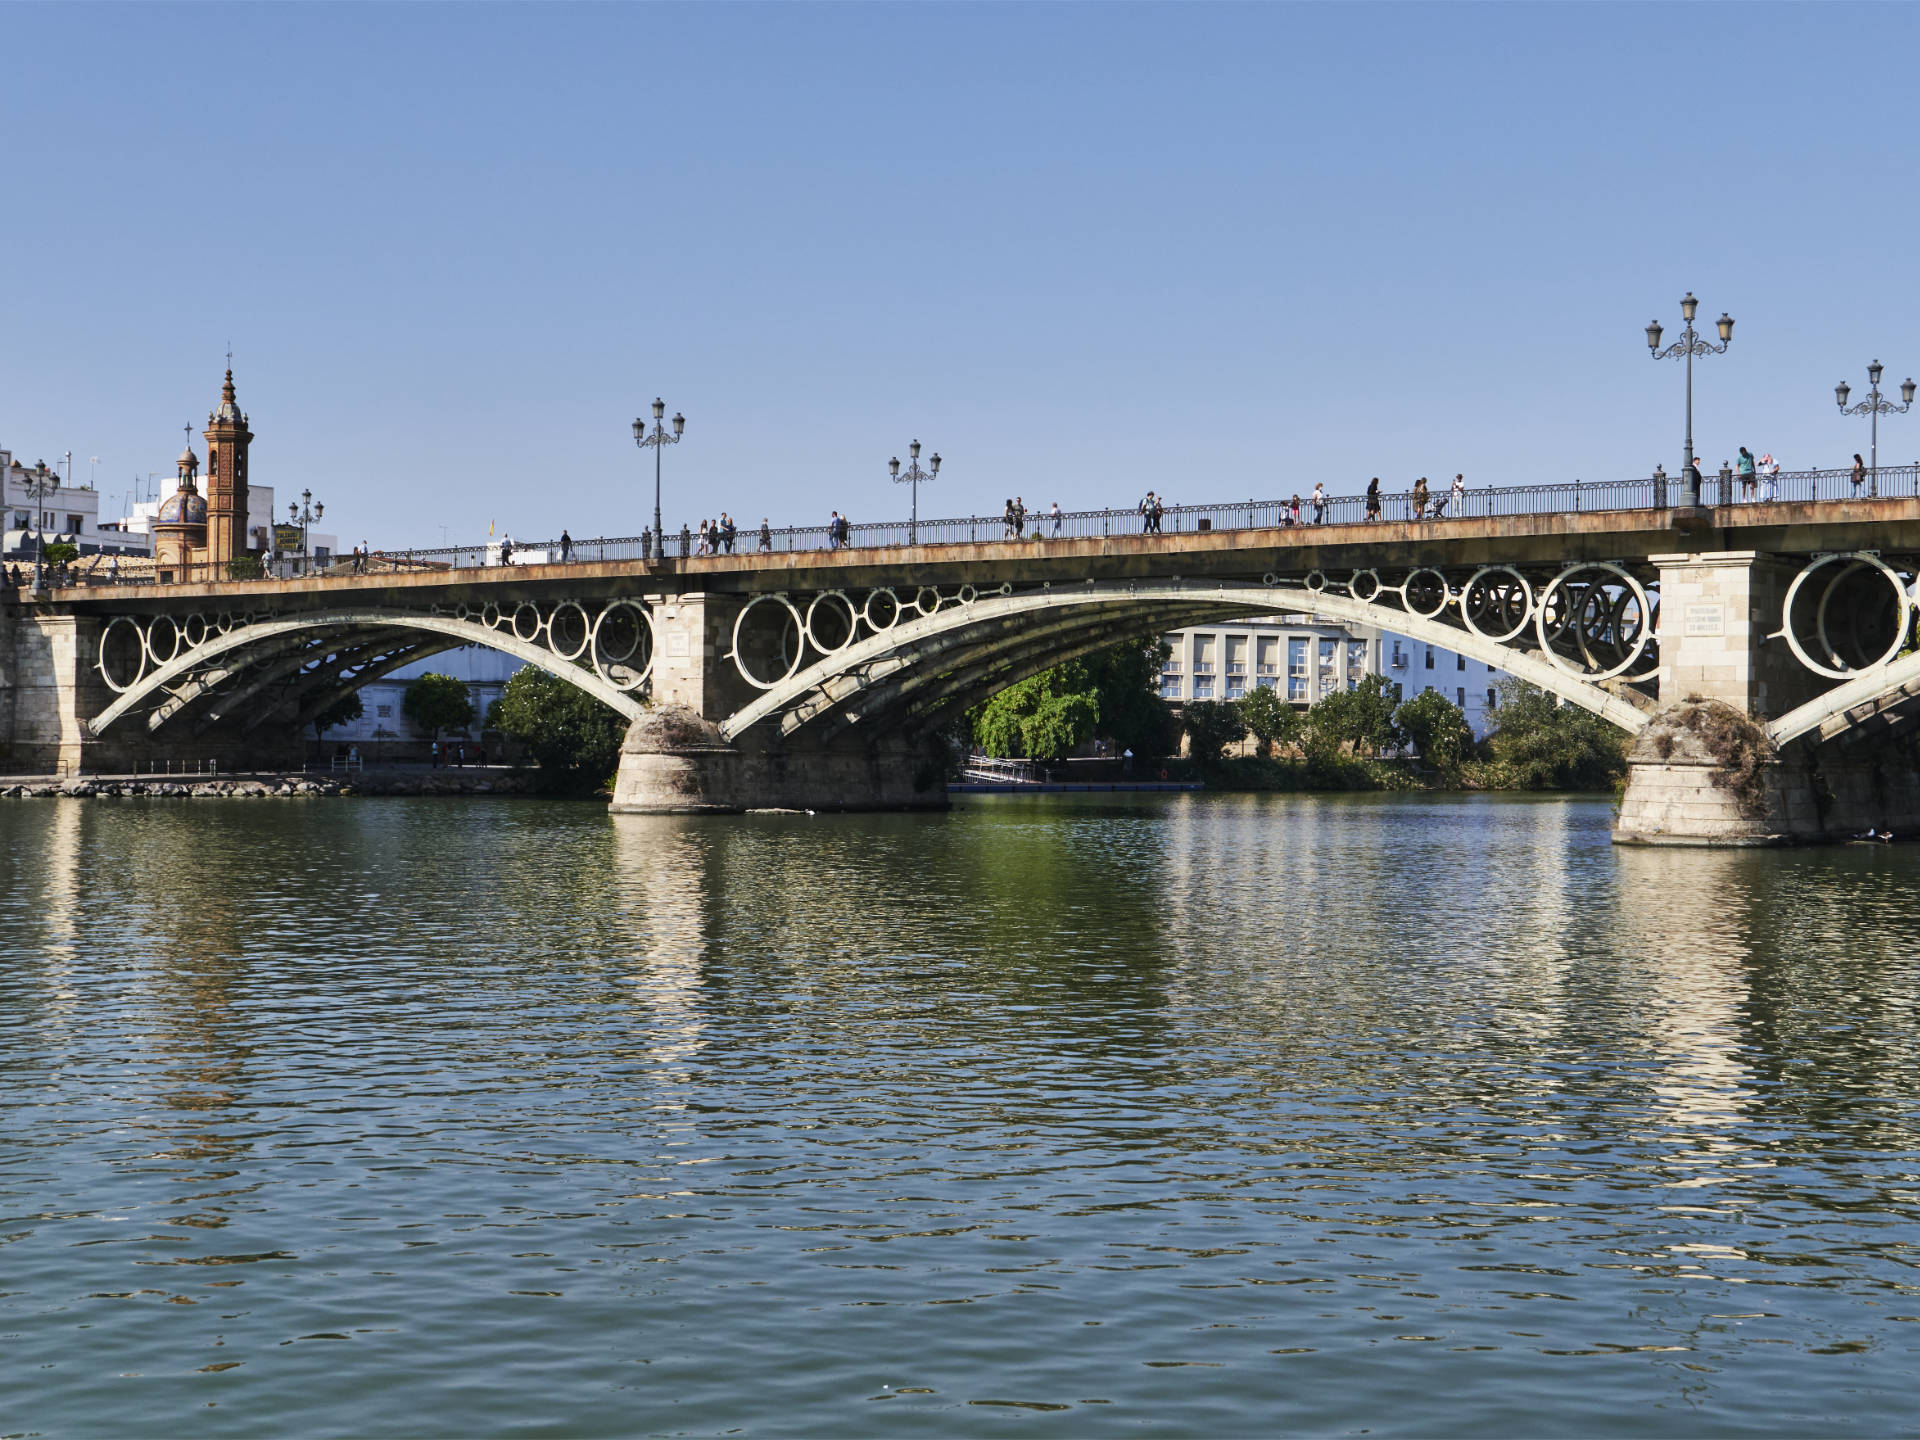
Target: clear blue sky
[(1079, 250)]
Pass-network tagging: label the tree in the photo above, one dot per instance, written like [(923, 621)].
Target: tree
[(572, 736), (1113, 692), (59, 552), (344, 711), (1210, 726), (1549, 746), (437, 702), (1437, 728), (1042, 717), (1361, 717), (1269, 719)]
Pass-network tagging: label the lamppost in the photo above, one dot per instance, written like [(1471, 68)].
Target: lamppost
[(303, 512), (657, 441), (1874, 406), (914, 476), (41, 482), (1687, 346)]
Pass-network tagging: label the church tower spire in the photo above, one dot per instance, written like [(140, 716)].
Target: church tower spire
[(227, 438)]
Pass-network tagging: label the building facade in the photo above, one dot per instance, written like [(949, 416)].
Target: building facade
[(39, 505), (383, 730), (1304, 659)]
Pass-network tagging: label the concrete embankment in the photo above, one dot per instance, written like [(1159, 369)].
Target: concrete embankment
[(255, 787)]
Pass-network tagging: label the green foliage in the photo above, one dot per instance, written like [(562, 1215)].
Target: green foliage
[(60, 552), (1211, 725), (1042, 717), (245, 567), (1361, 717), (572, 736), (437, 702), (1438, 729), (1112, 692), (343, 711), (1269, 719), (1540, 744)]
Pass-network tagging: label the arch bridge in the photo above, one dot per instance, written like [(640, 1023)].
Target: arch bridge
[(817, 677)]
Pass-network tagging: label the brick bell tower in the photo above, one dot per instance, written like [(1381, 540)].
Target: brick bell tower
[(227, 440)]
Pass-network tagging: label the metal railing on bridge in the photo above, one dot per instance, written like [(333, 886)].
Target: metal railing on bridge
[(1654, 492)]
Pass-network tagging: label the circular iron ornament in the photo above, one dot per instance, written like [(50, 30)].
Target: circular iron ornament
[(1316, 581), (1006, 587), (172, 640), (1269, 579), (1425, 594), (799, 649), (132, 645), (562, 623), (920, 600), (1364, 580), (461, 612), (1508, 602), (1552, 622), (967, 595), (224, 622), (194, 631), (1853, 563), (613, 668), (526, 621), (490, 615), (889, 608), (853, 621)]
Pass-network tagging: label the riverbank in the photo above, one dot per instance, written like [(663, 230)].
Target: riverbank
[(489, 780)]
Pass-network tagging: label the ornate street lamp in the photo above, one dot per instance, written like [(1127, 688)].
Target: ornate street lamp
[(303, 512), (1874, 406), (657, 441), (41, 482), (913, 476), (1686, 347)]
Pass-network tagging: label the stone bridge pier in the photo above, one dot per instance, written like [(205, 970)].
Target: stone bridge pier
[(677, 759), (1754, 743)]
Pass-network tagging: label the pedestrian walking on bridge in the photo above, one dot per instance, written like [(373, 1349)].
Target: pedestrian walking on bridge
[(766, 535), (566, 546), (1373, 498), (1420, 496), (1319, 502)]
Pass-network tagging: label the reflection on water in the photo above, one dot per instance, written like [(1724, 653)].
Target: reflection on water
[(1221, 1113)]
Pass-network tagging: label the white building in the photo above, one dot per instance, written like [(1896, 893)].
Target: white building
[(1304, 659), (68, 513), (383, 727)]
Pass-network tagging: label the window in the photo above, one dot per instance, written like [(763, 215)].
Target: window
[(384, 712), (1268, 682), (1459, 662), (1329, 671), (1490, 699), (1170, 686), (1203, 648), (1236, 687), (75, 523), (1462, 693), (22, 520), (1356, 663), (1398, 692), (1236, 655), (1398, 658), (1296, 667), (1203, 687), (1429, 661), (1267, 651)]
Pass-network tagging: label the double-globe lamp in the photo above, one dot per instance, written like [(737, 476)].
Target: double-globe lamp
[(657, 440), (1686, 347)]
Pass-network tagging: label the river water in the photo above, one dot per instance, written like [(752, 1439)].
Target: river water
[(1063, 1115)]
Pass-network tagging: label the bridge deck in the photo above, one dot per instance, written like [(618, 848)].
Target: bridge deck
[(1889, 524)]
